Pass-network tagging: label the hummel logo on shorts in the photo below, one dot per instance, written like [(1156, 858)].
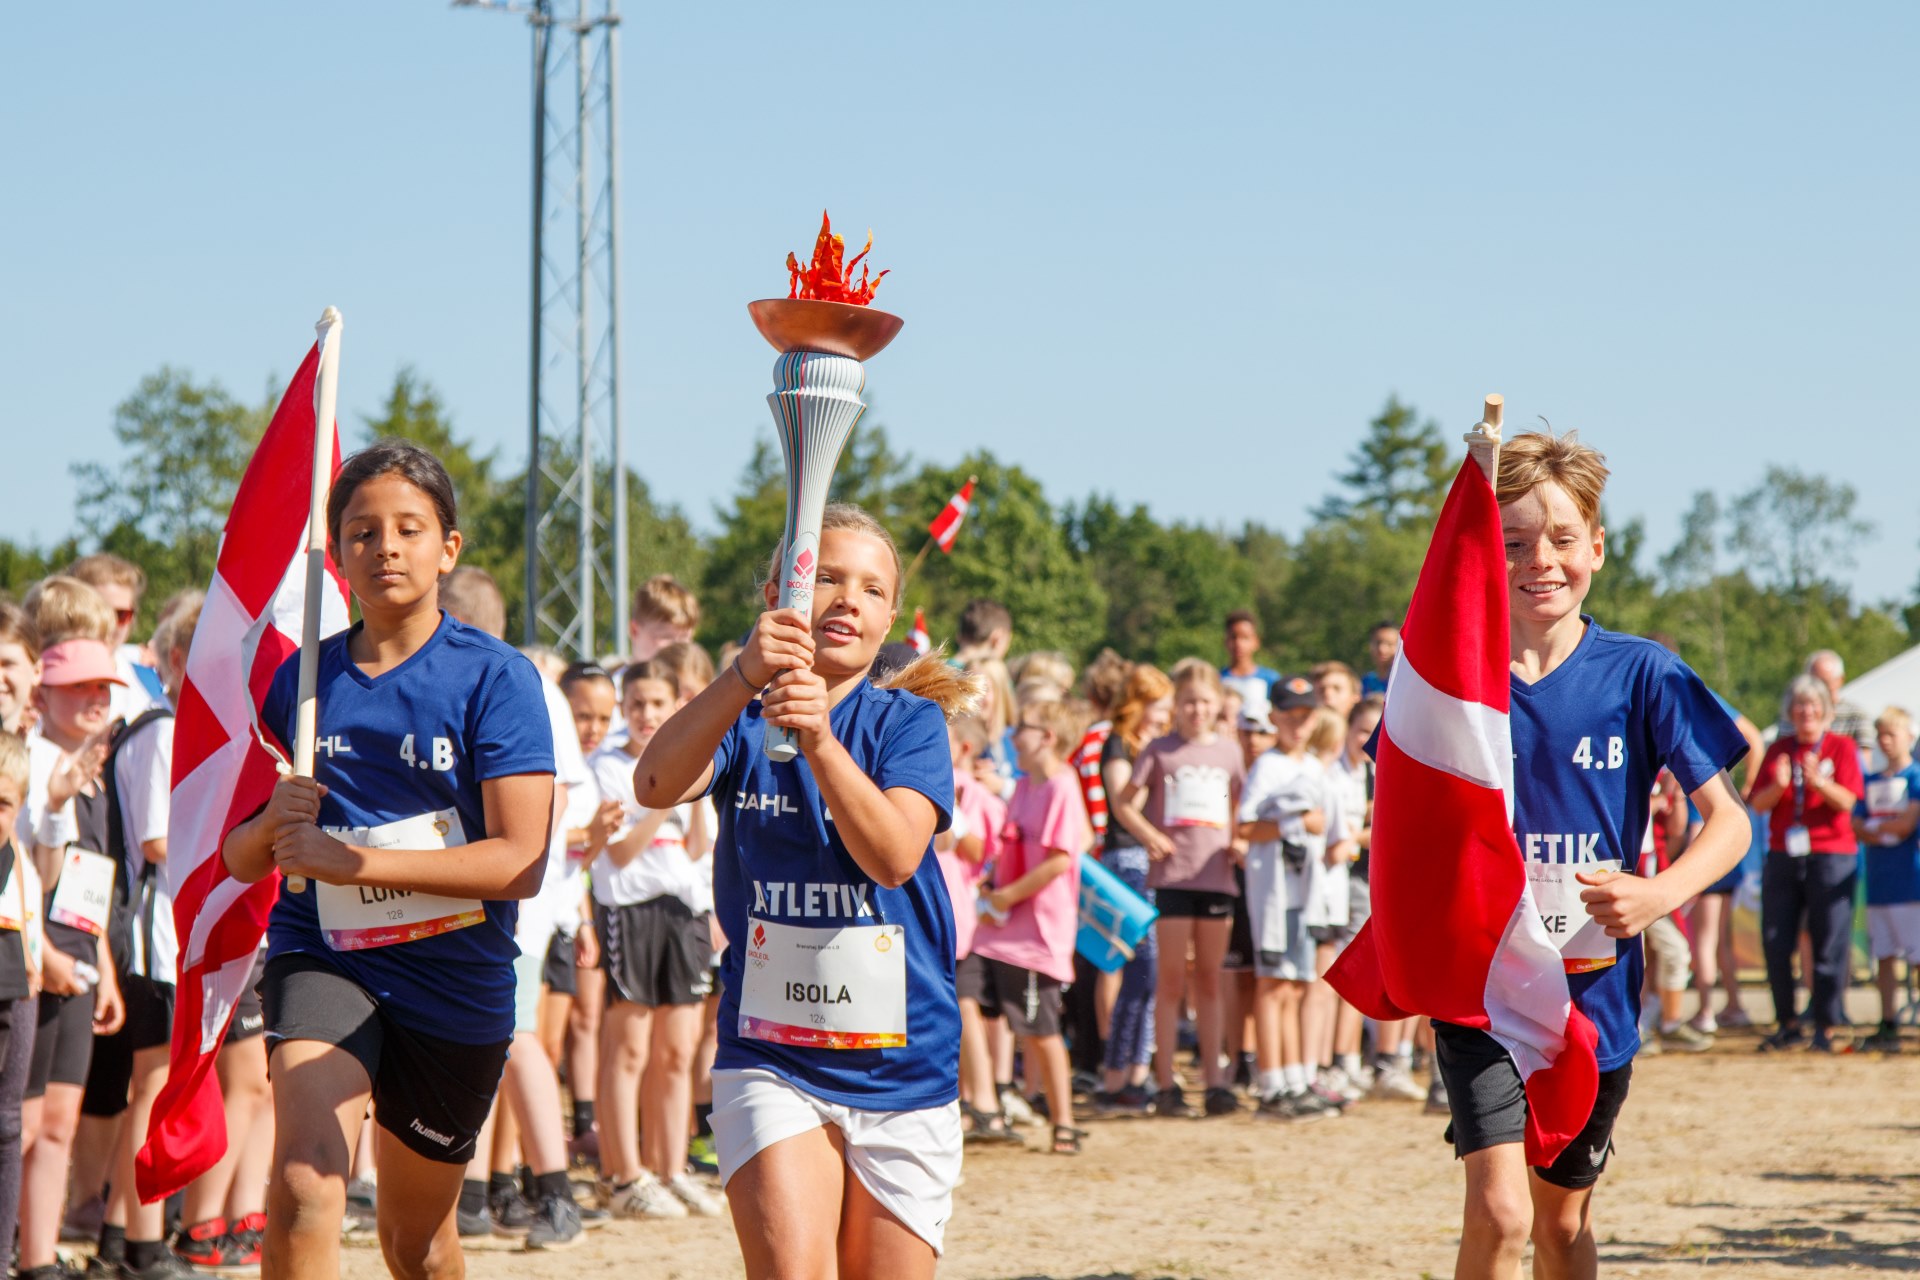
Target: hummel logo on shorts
[(446, 1141), (1595, 1156)]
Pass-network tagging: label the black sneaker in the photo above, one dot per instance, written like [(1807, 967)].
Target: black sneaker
[(512, 1213), (55, 1270), (1884, 1040), (168, 1266), (473, 1225), (1131, 1100), (556, 1224), (1787, 1038), (1172, 1104), (1221, 1102)]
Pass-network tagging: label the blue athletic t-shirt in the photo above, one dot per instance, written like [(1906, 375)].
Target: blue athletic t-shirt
[(1588, 740), (779, 858), (415, 740), (1893, 871)]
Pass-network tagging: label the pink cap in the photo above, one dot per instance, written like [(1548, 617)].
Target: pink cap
[(77, 662)]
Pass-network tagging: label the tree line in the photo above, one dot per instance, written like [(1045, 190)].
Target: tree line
[(1750, 586)]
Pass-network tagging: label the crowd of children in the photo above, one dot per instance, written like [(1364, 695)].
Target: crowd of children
[(614, 973)]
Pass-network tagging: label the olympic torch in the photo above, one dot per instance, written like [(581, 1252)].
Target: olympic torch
[(824, 329)]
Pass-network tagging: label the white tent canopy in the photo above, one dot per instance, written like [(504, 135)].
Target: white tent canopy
[(1894, 683)]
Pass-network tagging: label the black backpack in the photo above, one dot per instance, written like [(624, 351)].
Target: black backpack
[(134, 897)]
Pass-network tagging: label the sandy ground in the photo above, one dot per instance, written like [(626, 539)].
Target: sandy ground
[(1765, 1166)]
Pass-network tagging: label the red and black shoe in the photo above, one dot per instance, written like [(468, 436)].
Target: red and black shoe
[(210, 1246), (245, 1237)]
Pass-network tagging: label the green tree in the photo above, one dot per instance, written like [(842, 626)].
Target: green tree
[(1168, 587), (1796, 529), (1398, 473)]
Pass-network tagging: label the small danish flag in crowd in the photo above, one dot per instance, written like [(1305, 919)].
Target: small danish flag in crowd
[(946, 526), (222, 774), (917, 637), (1455, 934)]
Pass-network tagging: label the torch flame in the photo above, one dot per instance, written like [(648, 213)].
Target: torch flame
[(827, 278)]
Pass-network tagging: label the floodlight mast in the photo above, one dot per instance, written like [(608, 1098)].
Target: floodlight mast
[(576, 543)]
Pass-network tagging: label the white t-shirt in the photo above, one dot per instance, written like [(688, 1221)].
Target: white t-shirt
[(557, 905), (662, 867), (54, 828), (1328, 904), (143, 775), (1281, 788)]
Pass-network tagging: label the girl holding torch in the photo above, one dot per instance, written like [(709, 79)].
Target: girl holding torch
[(839, 1030)]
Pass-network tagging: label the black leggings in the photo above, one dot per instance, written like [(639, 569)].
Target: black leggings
[(13, 1087), (1816, 888)]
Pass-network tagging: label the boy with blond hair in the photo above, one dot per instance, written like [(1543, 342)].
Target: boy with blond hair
[(1887, 822), (664, 613)]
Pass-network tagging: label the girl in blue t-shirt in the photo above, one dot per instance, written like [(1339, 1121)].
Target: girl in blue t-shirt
[(836, 1086), (390, 977)]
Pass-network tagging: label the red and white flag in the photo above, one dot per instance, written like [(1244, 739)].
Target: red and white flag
[(1455, 934), (222, 774), (917, 636), (946, 526)]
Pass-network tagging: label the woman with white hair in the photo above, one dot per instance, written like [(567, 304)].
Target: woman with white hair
[(1808, 782)]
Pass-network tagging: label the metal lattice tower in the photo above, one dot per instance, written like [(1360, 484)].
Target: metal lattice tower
[(576, 534)]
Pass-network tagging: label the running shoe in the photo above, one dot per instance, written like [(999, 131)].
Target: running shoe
[(1327, 1098), (1823, 1043), (1705, 1023), (55, 1270), (1785, 1039), (1437, 1103), (1687, 1038), (1884, 1040), (1170, 1103), (1015, 1107), (211, 1246), (512, 1212), (1130, 1100), (247, 1235), (1292, 1107), (700, 1202), (556, 1224), (363, 1196), (701, 1155), (168, 1266), (1392, 1081), (1342, 1087), (1735, 1019), (1650, 1046), (646, 1197), (472, 1226), (1221, 1101)]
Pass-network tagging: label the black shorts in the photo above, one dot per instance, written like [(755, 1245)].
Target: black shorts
[(1029, 1001), (1239, 953), (63, 1043), (430, 1093), (149, 1025), (248, 1020), (557, 973), (1490, 1105), (1194, 904), (655, 952)]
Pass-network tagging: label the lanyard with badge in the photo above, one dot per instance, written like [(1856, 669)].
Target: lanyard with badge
[(357, 917), (1799, 842), (826, 988)]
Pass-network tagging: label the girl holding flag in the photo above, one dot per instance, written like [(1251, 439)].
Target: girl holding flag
[(836, 1085), (391, 978)]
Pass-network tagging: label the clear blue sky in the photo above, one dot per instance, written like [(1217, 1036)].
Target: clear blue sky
[(1179, 254)]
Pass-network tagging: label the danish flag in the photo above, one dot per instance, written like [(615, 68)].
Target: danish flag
[(917, 637), (946, 526), (1455, 934), (222, 774)]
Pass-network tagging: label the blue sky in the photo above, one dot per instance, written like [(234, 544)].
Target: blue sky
[(1179, 254)]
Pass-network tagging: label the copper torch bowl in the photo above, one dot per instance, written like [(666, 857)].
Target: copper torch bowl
[(836, 328)]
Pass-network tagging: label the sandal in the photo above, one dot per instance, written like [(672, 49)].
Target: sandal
[(1066, 1140), (987, 1126)]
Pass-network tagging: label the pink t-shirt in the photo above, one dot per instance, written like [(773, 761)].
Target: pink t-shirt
[(1193, 789), (1043, 818), (984, 813)]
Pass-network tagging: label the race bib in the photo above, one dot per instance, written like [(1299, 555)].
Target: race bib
[(825, 988), (357, 917), (1799, 842), (84, 897), (1887, 797), (1198, 796), (1581, 940)]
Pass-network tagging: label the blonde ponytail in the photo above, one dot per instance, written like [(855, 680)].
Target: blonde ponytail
[(932, 677)]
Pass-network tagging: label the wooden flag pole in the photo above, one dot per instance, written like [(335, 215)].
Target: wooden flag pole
[(1495, 408), (326, 395), (915, 566)]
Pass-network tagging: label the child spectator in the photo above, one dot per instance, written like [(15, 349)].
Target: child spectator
[(1383, 646), (1336, 686), (1104, 684), (1283, 814), (979, 817), (1887, 821), (590, 694), (1190, 781), (121, 584), (995, 766), (19, 961), (1328, 917), (1243, 672), (985, 631), (650, 916), (1026, 938), (664, 613), (19, 670)]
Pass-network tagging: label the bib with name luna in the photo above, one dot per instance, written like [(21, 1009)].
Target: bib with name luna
[(825, 988), (1581, 940), (356, 917)]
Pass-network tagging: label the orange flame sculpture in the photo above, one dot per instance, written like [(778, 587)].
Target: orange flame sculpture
[(826, 279)]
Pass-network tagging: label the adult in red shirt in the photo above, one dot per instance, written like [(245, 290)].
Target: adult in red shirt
[(1808, 782)]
